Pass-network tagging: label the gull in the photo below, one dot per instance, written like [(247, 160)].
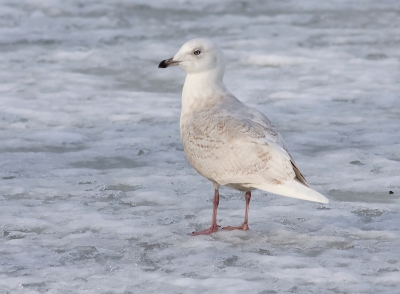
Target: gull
[(228, 142)]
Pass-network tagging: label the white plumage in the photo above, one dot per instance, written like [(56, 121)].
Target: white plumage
[(226, 141)]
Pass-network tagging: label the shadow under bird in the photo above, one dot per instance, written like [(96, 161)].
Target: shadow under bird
[(227, 142)]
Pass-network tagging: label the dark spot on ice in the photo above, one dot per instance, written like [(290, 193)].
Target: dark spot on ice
[(143, 152), (34, 285), (230, 261), (376, 56), (323, 208), (264, 252), (356, 162), (122, 188), (104, 163), (387, 270)]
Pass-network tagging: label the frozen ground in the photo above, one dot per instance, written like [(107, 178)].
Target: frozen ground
[(96, 195)]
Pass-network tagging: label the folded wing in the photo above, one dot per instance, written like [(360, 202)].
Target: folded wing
[(242, 149)]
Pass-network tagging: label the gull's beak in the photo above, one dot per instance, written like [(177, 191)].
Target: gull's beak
[(167, 63)]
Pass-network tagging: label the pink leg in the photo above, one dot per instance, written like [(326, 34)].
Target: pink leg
[(245, 225), (214, 226)]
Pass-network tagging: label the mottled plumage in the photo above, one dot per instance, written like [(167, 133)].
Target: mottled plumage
[(226, 141)]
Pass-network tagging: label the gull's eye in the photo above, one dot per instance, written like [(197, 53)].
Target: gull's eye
[(196, 52)]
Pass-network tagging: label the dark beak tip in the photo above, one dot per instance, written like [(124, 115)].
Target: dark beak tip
[(163, 64), (167, 63)]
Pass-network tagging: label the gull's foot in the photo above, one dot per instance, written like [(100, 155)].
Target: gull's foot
[(243, 227), (209, 231)]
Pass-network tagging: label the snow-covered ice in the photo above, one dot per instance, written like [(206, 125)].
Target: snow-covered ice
[(96, 194)]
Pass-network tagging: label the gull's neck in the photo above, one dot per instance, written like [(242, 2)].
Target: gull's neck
[(201, 91)]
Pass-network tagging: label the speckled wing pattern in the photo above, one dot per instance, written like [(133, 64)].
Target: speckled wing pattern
[(237, 146)]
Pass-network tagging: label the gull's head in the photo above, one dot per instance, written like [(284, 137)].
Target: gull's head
[(197, 55)]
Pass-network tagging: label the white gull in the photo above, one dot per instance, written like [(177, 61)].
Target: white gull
[(227, 142)]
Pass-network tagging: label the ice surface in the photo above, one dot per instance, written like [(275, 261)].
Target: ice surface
[(96, 195)]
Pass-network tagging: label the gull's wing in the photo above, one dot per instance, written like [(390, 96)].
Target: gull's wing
[(274, 139), (238, 146)]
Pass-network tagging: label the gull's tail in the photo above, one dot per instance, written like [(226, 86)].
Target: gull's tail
[(294, 189)]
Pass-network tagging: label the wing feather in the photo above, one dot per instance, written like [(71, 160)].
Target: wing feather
[(238, 148)]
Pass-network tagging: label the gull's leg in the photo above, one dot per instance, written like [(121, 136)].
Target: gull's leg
[(214, 226), (245, 225)]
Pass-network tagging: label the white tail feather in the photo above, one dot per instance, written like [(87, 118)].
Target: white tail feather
[(294, 189)]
